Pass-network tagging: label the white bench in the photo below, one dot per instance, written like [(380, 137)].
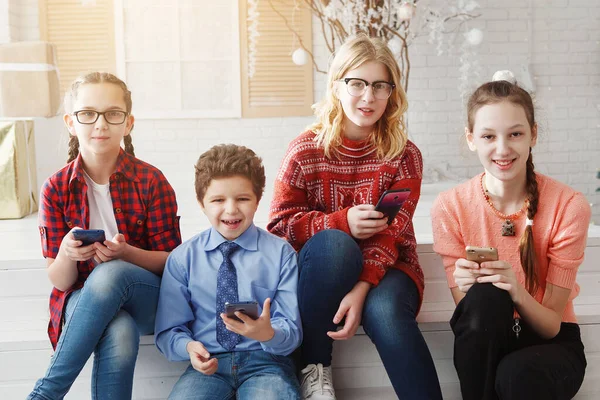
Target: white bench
[(358, 371)]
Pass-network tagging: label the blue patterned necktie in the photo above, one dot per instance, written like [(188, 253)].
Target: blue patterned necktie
[(227, 291)]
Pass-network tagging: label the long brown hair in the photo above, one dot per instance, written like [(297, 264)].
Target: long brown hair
[(390, 131), (495, 92), (71, 96)]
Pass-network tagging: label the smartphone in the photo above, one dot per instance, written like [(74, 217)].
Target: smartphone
[(391, 202), (89, 236), (481, 254), (250, 308)]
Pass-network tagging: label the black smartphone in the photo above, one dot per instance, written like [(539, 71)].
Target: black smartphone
[(89, 236), (250, 308), (391, 202)]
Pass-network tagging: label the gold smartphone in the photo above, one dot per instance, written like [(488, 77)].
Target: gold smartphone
[(481, 254)]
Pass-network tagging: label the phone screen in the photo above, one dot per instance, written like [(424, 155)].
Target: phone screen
[(250, 308), (89, 236), (391, 202)]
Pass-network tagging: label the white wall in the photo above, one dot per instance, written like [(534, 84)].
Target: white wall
[(565, 61)]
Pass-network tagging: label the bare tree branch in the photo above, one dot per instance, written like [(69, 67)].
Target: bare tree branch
[(379, 19)]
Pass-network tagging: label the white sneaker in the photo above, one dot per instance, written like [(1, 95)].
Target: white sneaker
[(316, 383)]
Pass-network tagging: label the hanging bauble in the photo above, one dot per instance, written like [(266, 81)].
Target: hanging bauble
[(406, 11), (395, 45), (474, 36), (300, 56)]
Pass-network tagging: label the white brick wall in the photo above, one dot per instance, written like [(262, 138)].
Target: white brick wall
[(565, 62)]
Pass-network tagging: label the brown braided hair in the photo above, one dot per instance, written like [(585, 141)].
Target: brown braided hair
[(495, 92), (71, 96)]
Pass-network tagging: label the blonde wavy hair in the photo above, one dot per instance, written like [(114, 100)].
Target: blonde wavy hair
[(389, 136)]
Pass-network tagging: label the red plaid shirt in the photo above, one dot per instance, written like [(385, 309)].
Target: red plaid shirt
[(144, 205)]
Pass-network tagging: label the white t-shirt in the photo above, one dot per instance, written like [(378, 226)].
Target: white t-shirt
[(100, 204)]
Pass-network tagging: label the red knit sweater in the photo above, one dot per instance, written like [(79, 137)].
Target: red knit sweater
[(313, 193)]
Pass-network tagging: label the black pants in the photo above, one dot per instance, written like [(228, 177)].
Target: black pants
[(492, 363)]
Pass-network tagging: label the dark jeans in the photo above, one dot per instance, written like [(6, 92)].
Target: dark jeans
[(492, 363), (330, 264)]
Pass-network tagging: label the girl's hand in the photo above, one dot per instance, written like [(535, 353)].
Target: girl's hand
[(200, 358), (110, 249), (351, 307), (259, 329), (73, 249), (501, 275), (365, 222), (465, 274)]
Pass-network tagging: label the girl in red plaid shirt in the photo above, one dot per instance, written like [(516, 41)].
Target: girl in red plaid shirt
[(105, 294)]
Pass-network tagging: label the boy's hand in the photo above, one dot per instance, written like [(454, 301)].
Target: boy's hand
[(259, 329), (111, 249), (200, 358)]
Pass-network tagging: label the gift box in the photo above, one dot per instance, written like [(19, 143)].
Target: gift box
[(18, 185), (29, 84)]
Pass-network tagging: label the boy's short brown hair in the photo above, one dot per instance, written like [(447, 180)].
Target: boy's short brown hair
[(225, 160)]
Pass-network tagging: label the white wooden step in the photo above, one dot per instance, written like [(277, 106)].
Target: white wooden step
[(24, 288)]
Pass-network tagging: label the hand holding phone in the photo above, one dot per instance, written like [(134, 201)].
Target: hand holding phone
[(391, 202), (364, 221), (73, 249), (465, 274), (111, 249), (89, 236), (253, 326)]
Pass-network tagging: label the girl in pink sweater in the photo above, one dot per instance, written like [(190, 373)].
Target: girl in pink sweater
[(516, 335)]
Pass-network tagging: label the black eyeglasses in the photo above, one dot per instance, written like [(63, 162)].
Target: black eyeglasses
[(357, 87), (88, 117)]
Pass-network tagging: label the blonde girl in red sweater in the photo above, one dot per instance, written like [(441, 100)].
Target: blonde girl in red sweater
[(356, 268), (516, 334)]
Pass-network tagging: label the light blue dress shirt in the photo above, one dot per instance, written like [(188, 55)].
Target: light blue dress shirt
[(266, 266)]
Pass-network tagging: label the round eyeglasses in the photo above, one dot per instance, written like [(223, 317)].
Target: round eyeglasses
[(357, 87), (88, 117)]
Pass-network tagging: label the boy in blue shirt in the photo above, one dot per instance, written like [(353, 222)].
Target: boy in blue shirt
[(233, 261)]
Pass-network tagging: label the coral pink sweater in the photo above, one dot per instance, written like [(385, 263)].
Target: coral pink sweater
[(462, 216)]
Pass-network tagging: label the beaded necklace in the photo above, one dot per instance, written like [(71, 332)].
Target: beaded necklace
[(508, 227)]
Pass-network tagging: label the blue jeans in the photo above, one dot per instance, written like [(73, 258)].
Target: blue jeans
[(330, 265), (249, 374), (106, 317)]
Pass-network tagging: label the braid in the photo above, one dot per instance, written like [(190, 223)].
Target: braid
[(73, 148), (526, 247), (128, 145)]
